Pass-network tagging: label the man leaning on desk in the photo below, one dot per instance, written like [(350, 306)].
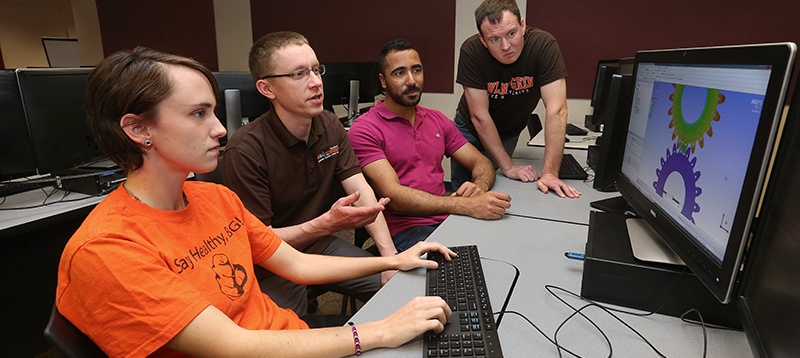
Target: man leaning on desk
[(401, 145), (505, 69)]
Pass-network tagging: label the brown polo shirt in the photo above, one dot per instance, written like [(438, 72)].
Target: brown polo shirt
[(281, 179)]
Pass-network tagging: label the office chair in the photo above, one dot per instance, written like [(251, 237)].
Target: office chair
[(68, 339)]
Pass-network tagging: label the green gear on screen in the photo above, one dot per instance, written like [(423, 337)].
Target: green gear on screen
[(689, 134)]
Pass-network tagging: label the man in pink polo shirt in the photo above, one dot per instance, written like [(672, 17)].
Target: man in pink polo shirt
[(401, 145)]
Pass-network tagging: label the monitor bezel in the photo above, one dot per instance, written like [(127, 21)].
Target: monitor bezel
[(721, 279), (74, 152)]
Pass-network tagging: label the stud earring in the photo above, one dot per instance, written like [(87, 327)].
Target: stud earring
[(148, 142)]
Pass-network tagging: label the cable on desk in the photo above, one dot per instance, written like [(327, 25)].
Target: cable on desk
[(510, 289), (610, 310), (45, 203), (546, 219), (551, 340)]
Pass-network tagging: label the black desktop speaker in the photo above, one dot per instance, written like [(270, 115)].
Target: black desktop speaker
[(611, 144)]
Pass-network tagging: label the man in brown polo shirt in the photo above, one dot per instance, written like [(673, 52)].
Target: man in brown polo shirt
[(284, 164)]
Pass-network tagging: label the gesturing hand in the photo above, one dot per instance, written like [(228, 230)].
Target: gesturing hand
[(343, 215)]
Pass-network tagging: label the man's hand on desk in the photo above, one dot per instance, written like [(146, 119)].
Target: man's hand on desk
[(524, 173), (551, 182), (491, 205)]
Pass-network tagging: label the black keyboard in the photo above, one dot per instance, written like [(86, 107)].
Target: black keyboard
[(461, 284), (571, 169), (575, 130)]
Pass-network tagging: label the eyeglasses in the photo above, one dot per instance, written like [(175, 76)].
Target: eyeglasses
[(300, 74)]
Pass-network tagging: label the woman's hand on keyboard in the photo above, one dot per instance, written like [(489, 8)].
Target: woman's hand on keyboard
[(410, 258), (422, 314)]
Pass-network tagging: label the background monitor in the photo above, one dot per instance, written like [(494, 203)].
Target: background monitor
[(54, 108), (251, 103), (602, 77), (702, 127), (769, 300), (611, 144), (337, 77), (16, 150)]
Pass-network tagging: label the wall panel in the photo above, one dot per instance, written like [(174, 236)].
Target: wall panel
[(356, 30), (588, 31), (179, 27)]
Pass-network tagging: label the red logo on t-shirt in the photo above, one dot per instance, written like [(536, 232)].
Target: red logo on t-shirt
[(516, 85)]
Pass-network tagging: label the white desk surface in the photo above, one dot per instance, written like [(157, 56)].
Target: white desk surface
[(534, 237), (575, 141), (537, 248), (27, 207)]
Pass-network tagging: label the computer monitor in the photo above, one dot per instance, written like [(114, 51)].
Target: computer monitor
[(615, 128), (605, 68), (16, 150), (337, 79), (54, 108), (238, 96), (702, 127), (769, 299), (602, 87)]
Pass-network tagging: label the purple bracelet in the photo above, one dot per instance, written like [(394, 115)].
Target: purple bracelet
[(355, 338)]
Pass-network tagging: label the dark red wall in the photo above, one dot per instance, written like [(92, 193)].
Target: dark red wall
[(179, 27), (588, 31), (357, 30)]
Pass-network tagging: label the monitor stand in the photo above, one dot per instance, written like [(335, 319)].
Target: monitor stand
[(613, 274), (647, 245)]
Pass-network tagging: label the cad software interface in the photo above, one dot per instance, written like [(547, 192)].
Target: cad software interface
[(689, 142)]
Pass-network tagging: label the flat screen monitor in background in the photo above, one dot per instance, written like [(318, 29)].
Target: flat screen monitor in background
[(611, 144), (54, 108), (238, 96), (600, 93), (337, 83), (62, 52), (769, 300), (16, 150), (605, 68), (702, 128)]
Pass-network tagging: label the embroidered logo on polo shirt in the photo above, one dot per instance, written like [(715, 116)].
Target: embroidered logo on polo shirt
[(332, 151)]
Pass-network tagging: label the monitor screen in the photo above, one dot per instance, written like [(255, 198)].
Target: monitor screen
[(54, 108), (702, 126), (16, 150), (337, 77), (252, 103), (769, 300)]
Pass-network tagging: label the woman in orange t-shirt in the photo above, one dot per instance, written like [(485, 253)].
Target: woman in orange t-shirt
[(164, 267)]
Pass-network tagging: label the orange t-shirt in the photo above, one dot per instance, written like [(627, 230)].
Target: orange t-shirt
[(132, 277)]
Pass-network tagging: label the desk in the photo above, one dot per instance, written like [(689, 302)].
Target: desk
[(536, 246), (14, 221)]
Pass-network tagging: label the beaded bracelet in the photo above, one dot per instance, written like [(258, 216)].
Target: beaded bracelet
[(356, 341)]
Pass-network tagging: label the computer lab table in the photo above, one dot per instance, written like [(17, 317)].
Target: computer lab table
[(536, 243)]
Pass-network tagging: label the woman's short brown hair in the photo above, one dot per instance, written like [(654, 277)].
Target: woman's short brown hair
[(131, 81)]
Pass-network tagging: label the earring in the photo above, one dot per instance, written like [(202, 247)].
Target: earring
[(148, 142)]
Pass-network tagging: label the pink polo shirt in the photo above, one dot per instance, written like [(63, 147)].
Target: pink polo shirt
[(415, 152)]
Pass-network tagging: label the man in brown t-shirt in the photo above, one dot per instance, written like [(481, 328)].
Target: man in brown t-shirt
[(284, 164), (505, 69)]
